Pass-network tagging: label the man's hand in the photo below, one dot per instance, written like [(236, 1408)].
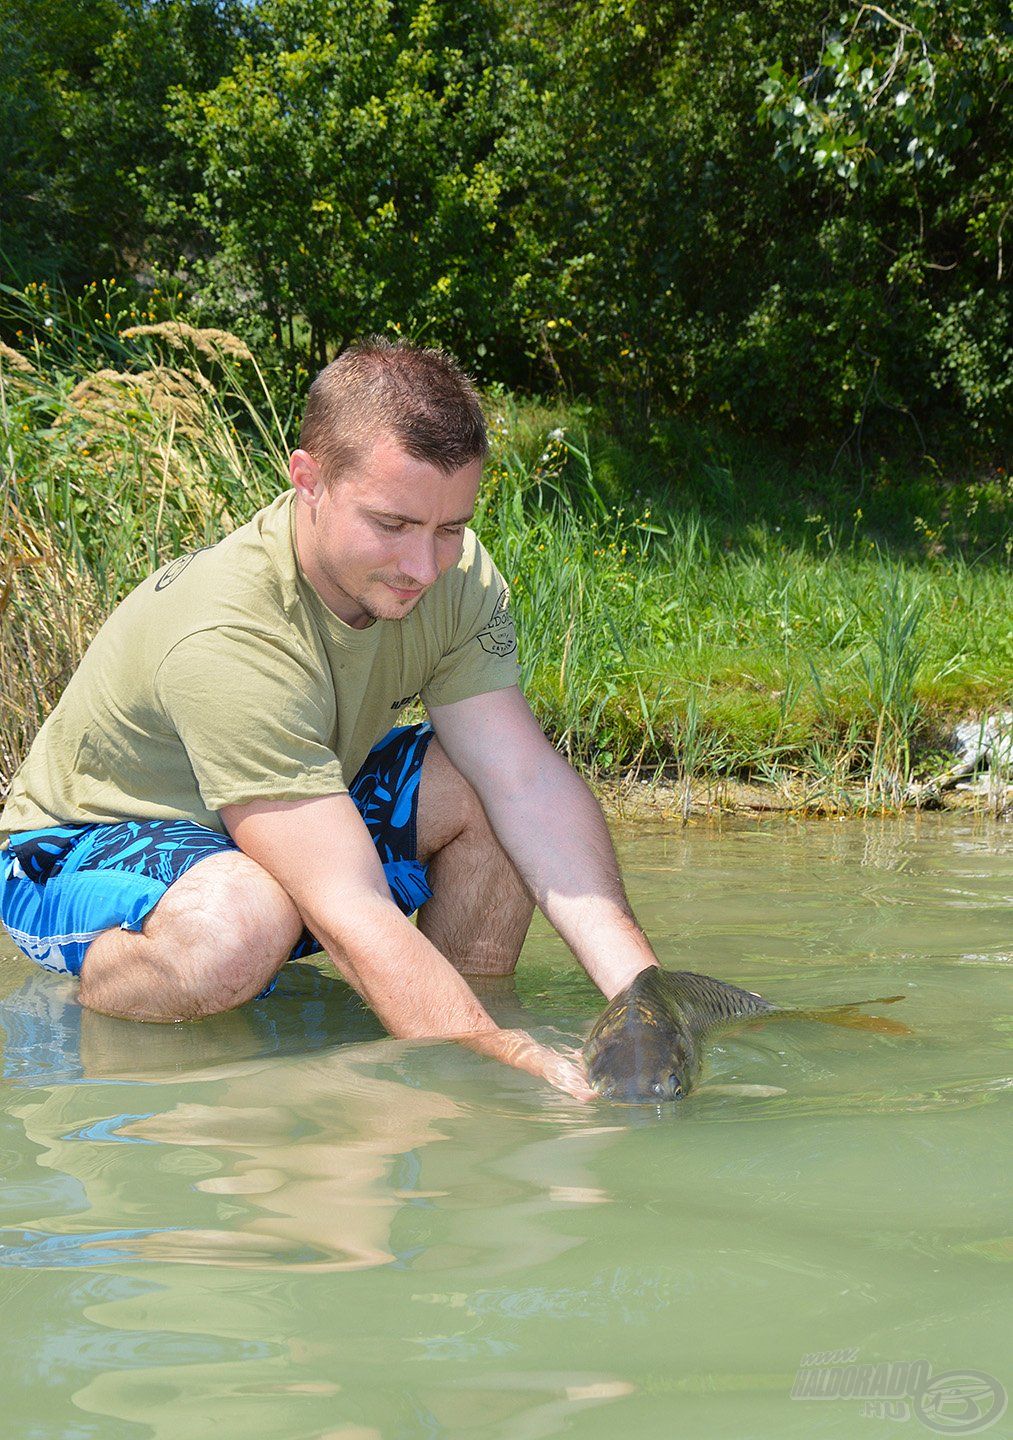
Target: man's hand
[(567, 1076), (563, 1070), (552, 828), (321, 854)]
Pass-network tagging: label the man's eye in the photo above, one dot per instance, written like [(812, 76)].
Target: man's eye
[(453, 530), (394, 529)]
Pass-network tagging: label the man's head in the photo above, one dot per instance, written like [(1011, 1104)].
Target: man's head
[(389, 459), (419, 397)]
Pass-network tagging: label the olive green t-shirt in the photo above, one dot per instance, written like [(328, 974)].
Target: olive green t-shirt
[(224, 678)]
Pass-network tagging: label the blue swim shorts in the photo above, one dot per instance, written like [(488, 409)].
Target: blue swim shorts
[(61, 887)]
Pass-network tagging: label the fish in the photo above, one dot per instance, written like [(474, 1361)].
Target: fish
[(646, 1046)]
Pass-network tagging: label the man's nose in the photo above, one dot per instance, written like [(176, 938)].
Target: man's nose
[(418, 560)]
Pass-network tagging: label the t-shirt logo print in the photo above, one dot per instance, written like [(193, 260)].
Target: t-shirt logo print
[(499, 637), (175, 569)]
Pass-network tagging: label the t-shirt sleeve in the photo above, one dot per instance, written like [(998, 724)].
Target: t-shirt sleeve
[(252, 715), (481, 645)]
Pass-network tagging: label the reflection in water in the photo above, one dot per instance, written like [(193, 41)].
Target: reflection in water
[(47, 1038), (279, 1224), (303, 1157)]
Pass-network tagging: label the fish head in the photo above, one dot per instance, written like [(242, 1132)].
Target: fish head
[(636, 1064)]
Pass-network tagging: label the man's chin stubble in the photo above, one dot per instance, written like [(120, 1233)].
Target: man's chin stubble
[(369, 608)]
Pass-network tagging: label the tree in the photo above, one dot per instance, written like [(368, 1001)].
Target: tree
[(900, 123), (82, 106), (344, 170), (42, 46)]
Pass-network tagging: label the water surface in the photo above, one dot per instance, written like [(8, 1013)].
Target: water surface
[(282, 1224)]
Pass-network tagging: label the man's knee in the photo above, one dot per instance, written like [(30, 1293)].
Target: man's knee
[(215, 939), (448, 804)]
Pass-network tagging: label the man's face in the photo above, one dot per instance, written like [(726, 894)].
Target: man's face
[(374, 540)]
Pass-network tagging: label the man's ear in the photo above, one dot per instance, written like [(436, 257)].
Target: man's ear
[(306, 476)]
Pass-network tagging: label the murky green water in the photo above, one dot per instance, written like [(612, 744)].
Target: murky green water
[(280, 1224)]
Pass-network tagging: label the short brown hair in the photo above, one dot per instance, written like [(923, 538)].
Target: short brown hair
[(418, 395)]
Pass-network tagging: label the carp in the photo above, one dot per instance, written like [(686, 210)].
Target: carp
[(646, 1046)]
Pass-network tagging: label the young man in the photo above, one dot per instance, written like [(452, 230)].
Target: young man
[(216, 790)]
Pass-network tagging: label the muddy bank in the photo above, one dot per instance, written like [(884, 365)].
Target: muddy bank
[(664, 800)]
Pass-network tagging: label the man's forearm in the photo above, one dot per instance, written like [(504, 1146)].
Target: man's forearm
[(417, 993), (553, 829), (319, 852), (412, 988)]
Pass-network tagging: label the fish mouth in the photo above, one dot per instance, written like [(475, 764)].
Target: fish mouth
[(650, 1093)]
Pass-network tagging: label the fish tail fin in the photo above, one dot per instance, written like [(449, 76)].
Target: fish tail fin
[(849, 1016)]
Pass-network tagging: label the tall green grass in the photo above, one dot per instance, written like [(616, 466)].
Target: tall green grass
[(679, 613), (657, 636)]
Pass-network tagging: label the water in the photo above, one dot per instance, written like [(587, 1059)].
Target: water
[(281, 1224)]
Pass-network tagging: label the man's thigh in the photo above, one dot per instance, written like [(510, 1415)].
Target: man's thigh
[(447, 803), (217, 938)]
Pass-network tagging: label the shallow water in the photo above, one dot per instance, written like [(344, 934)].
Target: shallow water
[(281, 1224)]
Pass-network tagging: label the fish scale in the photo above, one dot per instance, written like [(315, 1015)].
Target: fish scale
[(714, 999)]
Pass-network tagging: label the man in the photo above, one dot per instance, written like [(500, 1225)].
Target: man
[(187, 818)]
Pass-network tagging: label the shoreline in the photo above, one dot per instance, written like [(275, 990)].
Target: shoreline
[(632, 801)]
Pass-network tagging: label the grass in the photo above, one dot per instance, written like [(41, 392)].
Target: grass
[(686, 607)]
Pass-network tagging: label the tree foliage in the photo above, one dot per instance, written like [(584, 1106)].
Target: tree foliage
[(791, 218), (902, 125), (342, 170), (84, 124)]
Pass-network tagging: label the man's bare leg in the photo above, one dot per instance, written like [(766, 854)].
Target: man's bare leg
[(217, 937), (481, 909)]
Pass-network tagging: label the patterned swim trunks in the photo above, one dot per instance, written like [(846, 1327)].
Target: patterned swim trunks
[(61, 887)]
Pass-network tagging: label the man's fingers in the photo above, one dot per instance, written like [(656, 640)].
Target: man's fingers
[(570, 1052), (569, 1078)]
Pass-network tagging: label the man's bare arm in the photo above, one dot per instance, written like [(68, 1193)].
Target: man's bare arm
[(551, 826), (320, 852)]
